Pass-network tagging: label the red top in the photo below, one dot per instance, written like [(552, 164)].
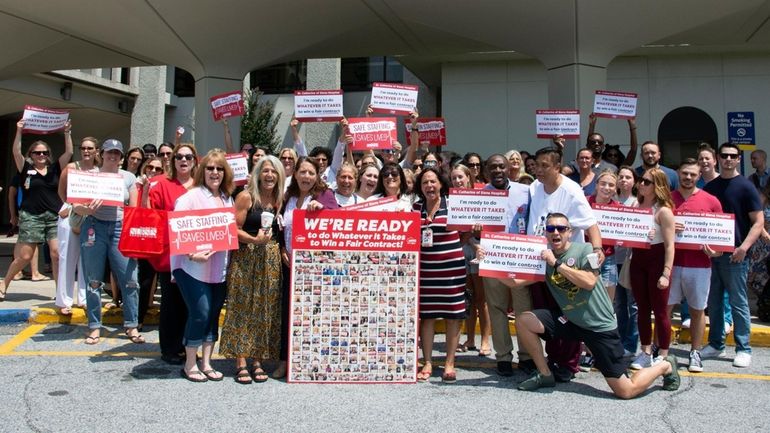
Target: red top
[(164, 194), (608, 250), (699, 201)]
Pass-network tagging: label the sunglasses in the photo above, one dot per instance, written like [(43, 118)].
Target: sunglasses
[(153, 168), (134, 158), (417, 166), (430, 163), (165, 154), (393, 174), (180, 157), (287, 158), (474, 165), (217, 169), (561, 229), (388, 151), (86, 148), (646, 182), (40, 153), (595, 142), (729, 155)]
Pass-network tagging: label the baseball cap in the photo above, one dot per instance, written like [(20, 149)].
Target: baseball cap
[(112, 144)]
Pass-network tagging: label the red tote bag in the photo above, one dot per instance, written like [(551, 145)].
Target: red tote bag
[(144, 234)]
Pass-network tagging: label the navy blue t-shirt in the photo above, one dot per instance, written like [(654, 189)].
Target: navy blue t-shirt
[(738, 197)]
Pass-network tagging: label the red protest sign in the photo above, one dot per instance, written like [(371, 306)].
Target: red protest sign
[(432, 131), (372, 132), (227, 105), (193, 231)]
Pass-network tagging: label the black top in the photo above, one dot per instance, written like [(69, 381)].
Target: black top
[(40, 193), (254, 222)]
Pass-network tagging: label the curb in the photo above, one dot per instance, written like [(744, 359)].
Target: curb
[(15, 315)]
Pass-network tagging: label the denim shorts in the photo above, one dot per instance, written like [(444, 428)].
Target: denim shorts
[(37, 229), (609, 271)]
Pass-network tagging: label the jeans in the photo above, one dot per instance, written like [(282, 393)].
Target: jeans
[(204, 302), (730, 278), (626, 312), (98, 243)]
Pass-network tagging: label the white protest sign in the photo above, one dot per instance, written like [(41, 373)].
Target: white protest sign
[(389, 204), (717, 230), (624, 226), (239, 163), (83, 186), (467, 207), (554, 122), (509, 255), (399, 99), (615, 105), (41, 120), (318, 105)]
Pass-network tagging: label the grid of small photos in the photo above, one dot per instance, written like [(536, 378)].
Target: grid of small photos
[(353, 317)]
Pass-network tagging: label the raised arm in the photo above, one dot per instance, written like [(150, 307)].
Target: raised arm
[(18, 157), (414, 140), (228, 137), (634, 143), (339, 150), (178, 135), (299, 146), (65, 157), (591, 126)]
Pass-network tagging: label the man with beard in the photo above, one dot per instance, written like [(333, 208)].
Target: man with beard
[(595, 142), (651, 159)]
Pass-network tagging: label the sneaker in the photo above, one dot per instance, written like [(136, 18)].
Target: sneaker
[(504, 368), (686, 324), (671, 381), (643, 360), (696, 365), (536, 381), (562, 374), (586, 362), (627, 353), (527, 366), (710, 352), (742, 359)]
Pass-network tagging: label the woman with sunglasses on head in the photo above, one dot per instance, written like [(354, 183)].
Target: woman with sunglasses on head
[(306, 191), (367, 181), (133, 161), (391, 182), (442, 273), (163, 196), (460, 177), (201, 276), (38, 213), (99, 237), (625, 306), (68, 236), (651, 268)]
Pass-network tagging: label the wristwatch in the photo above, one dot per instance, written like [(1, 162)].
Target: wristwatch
[(556, 265)]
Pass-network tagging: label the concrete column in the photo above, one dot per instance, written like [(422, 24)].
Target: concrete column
[(206, 133), (147, 119), (573, 86), (322, 74)]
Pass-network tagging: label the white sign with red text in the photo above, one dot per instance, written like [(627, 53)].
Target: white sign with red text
[(318, 105), (41, 120), (717, 230), (615, 105), (431, 130), (389, 204), (467, 207), (372, 132), (508, 255), (239, 163), (555, 122), (399, 99), (193, 231), (83, 187), (227, 105), (624, 226)]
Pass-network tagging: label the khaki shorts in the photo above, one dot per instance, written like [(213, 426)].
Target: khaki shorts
[(36, 229)]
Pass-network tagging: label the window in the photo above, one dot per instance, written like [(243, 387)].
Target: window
[(359, 73), (280, 78), (184, 83)]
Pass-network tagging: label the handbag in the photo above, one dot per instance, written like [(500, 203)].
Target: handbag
[(75, 221), (144, 234), (624, 279)]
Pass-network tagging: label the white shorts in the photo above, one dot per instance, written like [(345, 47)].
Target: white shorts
[(692, 284)]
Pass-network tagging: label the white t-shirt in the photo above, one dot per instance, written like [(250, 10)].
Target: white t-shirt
[(568, 199)]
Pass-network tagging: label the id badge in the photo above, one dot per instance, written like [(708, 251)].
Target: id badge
[(427, 238), (563, 320)]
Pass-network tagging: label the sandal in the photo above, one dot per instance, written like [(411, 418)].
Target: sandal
[(425, 373), (242, 376), (136, 338), (450, 377), (3, 289), (191, 377), (462, 348), (485, 352), (213, 375), (65, 311), (92, 340), (258, 374)]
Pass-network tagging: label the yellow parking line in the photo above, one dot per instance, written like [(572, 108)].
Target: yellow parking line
[(715, 375), (20, 338), (81, 353)]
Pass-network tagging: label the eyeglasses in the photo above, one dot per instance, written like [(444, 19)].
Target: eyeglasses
[(180, 157), (561, 229), (40, 152), (217, 169), (729, 155), (134, 158), (474, 165), (646, 182), (286, 158), (165, 154), (321, 159), (153, 168), (393, 174)]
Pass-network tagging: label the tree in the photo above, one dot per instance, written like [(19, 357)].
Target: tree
[(259, 121)]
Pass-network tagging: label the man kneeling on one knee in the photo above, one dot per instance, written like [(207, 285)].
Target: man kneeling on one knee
[(586, 314)]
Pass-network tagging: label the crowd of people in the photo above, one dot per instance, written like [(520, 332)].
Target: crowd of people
[(595, 308)]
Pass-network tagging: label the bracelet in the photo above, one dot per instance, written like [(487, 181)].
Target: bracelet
[(598, 249)]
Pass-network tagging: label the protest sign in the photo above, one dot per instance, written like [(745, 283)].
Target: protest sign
[(388, 204), (354, 297), (239, 163), (467, 207), (508, 255), (227, 105), (41, 120), (84, 186), (194, 231), (372, 132), (318, 105), (717, 230), (554, 122), (399, 99), (432, 131), (615, 105), (624, 226)]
